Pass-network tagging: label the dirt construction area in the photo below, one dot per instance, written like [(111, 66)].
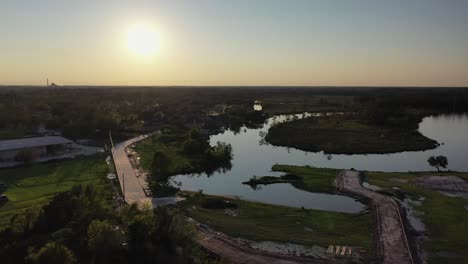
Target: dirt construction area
[(227, 248), (449, 185), (392, 243)]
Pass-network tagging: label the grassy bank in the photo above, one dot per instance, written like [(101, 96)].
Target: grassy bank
[(35, 185), (265, 180), (311, 179), (263, 222), (445, 217), (346, 135)]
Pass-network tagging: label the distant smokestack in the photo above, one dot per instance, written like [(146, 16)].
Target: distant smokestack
[(47, 82)]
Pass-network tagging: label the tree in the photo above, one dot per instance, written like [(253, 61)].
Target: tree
[(103, 239), (195, 134), (160, 166), (438, 162), (195, 147), (25, 222), (52, 253)]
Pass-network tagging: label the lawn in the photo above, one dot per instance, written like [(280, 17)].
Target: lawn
[(346, 135), (35, 185), (445, 217), (264, 222)]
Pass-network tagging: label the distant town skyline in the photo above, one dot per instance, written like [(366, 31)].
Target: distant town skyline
[(235, 43)]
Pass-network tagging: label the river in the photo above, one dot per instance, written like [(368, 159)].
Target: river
[(252, 156)]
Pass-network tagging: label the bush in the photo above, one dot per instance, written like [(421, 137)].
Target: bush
[(195, 147), (52, 253), (217, 203)]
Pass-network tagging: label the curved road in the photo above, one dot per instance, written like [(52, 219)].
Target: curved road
[(394, 248), (130, 184)]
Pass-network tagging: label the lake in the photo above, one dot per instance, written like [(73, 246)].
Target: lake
[(252, 156)]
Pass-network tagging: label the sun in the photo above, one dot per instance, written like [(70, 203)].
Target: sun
[(143, 40)]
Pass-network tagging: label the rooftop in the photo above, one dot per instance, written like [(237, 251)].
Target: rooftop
[(32, 142)]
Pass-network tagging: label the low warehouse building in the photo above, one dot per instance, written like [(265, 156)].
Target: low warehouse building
[(17, 149)]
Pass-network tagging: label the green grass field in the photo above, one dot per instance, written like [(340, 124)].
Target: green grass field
[(35, 185), (346, 135), (259, 221), (445, 217), (313, 179), (262, 222)]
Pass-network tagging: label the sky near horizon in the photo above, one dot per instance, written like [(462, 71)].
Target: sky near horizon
[(241, 42)]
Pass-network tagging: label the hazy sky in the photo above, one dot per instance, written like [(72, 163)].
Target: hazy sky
[(237, 42)]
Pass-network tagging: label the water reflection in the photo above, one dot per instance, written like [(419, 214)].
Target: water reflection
[(252, 156)]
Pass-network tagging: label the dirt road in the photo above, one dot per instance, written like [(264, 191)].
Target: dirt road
[(237, 253), (393, 244)]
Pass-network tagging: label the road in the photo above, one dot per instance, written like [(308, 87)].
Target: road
[(392, 241), (130, 184), (228, 248)]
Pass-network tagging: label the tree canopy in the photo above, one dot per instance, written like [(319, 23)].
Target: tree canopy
[(438, 162)]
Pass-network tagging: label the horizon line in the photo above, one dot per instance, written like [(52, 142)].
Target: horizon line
[(228, 86)]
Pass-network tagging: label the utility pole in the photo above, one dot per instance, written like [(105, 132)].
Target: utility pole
[(110, 137), (123, 185)]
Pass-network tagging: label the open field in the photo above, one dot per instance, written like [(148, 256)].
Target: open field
[(346, 135), (263, 222), (445, 217), (35, 185)]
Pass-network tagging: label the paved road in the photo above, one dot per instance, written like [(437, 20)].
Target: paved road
[(393, 244), (130, 185)]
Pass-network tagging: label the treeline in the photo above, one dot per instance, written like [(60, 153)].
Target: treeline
[(194, 149), (79, 226), (90, 112)]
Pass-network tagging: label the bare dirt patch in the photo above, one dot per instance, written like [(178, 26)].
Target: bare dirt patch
[(447, 185)]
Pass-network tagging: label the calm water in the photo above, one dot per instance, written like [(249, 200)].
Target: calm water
[(253, 157)]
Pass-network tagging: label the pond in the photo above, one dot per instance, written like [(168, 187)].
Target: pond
[(252, 156)]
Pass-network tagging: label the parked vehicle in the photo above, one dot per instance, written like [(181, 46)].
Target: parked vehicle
[(3, 199)]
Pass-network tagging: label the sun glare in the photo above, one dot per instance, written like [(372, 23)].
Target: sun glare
[(143, 40)]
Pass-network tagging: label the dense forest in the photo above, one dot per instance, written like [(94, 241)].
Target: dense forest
[(90, 112), (80, 226)]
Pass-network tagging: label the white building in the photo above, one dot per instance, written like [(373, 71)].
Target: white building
[(37, 146)]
